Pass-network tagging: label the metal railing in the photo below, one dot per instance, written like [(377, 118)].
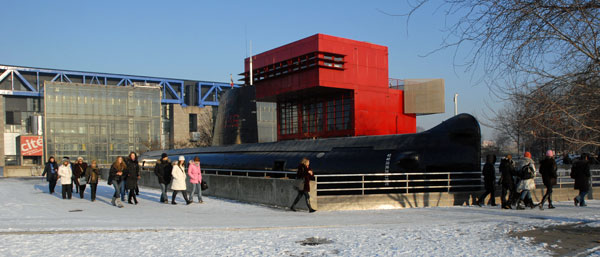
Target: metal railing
[(397, 182), (249, 173)]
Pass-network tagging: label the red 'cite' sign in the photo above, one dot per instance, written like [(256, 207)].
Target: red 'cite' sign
[(32, 145)]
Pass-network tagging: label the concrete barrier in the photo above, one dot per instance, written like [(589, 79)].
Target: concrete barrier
[(22, 171), (280, 192), (269, 191), (433, 199)]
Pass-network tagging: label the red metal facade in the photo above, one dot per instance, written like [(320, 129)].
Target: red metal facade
[(327, 86)]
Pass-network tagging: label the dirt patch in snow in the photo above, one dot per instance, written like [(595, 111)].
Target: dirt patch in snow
[(565, 240)]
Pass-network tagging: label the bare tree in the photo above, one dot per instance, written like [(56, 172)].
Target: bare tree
[(542, 56)]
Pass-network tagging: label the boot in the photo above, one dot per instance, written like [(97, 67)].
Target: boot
[(113, 201), (129, 199), (135, 200), (519, 206), (173, 198), (550, 206), (119, 203)]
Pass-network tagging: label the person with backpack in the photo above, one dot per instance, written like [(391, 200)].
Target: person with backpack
[(527, 182), (507, 171), (548, 170), (580, 171), (489, 180)]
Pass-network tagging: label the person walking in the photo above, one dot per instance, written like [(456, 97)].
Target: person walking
[(507, 171), (92, 174), (51, 173), (548, 170), (115, 177), (195, 179), (489, 180), (162, 170), (303, 175), (178, 184), (527, 182), (65, 174), (79, 168), (580, 171), (133, 174)]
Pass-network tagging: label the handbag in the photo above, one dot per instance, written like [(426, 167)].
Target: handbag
[(203, 186), (299, 184), (82, 181)]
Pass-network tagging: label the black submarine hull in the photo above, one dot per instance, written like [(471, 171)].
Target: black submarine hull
[(452, 146)]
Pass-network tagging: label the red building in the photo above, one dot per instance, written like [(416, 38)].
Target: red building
[(328, 86)]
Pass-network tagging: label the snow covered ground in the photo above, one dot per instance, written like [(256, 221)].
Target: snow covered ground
[(35, 223)]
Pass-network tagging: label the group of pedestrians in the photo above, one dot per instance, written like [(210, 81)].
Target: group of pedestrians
[(518, 180), (174, 173), (124, 175), (76, 175)]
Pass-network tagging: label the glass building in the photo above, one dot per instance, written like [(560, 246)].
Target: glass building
[(100, 122)]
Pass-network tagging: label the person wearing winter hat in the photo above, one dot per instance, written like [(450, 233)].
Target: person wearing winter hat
[(65, 174), (527, 182), (548, 170), (162, 170), (179, 184)]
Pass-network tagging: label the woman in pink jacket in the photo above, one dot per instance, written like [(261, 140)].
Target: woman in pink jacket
[(195, 179)]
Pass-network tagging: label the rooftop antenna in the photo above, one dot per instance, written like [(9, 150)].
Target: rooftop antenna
[(455, 104), (251, 70)]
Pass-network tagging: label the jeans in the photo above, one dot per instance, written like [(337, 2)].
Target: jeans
[(93, 188), (526, 194), (117, 186), (581, 197), (67, 191), (196, 189), (306, 197), (163, 192), (122, 187)]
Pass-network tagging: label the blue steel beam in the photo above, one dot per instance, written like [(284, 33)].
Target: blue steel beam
[(167, 85)]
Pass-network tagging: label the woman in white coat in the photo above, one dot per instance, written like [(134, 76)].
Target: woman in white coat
[(178, 182), (64, 174)]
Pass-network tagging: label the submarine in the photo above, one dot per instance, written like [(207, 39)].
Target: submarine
[(453, 146)]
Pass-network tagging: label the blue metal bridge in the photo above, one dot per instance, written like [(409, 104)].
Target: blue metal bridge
[(26, 81)]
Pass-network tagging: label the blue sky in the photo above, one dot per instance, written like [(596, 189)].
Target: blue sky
[(208, 40)]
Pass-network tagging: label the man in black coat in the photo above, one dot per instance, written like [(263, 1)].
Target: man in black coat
[(580, 171), (548, 170), (507, 171), (489, 179), (162, 170)]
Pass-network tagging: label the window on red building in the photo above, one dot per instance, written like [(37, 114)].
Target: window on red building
[(317, 117)]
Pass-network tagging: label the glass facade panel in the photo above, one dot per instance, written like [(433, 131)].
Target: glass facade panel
[(100, 122)]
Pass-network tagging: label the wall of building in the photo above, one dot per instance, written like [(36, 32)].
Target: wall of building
[(2, 115), (181, 126)]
